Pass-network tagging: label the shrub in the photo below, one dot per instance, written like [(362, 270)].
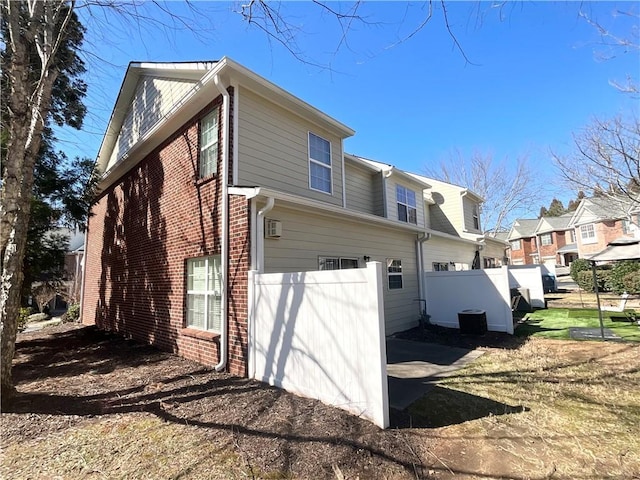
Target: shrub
[(631, 282), (616, 280), (585, 280), (23, 318), (577, 266), (72, 314)]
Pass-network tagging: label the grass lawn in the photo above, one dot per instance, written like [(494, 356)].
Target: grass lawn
[(555, 323)]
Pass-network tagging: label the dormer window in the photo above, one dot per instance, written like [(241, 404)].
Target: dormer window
[(319, 163), (406, 205), (208, 160), (476, 218)]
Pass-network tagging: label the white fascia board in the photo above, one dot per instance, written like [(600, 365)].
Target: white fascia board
[(361, 163), (303, 203)]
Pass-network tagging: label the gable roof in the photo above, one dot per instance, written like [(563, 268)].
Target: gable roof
[(598, 209), (389, 170), (196, 89), (554, 224), (523, 228), (436, 183)]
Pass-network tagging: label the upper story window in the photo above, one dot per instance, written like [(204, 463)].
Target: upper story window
[(516, 244), (406, 205), (204, 293), (572, 236), (588, 233), (208, 144), (319, 163), (546, 239), (476, 218)]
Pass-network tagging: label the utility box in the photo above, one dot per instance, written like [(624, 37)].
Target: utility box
[(473, 321)]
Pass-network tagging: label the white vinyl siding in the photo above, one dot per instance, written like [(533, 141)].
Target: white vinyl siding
[(443, 250), (361, 189), (153, 98), (208, 160), (273, 149), (306, 236), (204, 293)]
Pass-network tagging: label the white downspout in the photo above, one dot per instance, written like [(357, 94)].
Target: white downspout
[(260, 234), (224, 329), (419, 241)]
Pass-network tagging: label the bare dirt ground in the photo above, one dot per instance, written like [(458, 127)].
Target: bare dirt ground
[(96, 406)]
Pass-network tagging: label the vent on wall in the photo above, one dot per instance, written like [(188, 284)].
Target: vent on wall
[(272, 228)]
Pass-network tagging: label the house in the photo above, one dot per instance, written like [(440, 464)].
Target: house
[(523, 245), (556, 240), (599, 220), (210, 171)]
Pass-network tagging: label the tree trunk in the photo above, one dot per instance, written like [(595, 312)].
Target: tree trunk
[(35, 26)]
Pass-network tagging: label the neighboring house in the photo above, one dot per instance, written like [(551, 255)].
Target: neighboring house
[(211, 171), (523, 246), (599, 220), (494, 253), (556, 240)]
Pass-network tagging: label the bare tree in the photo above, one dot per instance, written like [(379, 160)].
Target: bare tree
[(508, 190), (606, 159)]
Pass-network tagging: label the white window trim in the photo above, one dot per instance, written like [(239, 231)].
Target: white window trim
[(207, 293), (338, 260), (321, 164), (407, 205), (519, 242), (546, 235), (394, 274), (216, 114), (589, 239)]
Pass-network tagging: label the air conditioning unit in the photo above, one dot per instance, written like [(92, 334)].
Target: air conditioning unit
[(272, 228)]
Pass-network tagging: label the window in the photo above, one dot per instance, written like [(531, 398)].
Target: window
[(406, 205), (588, 233), (516, 244), (394, 273), (546, 239), (204, 293), (319, 163), (335, 263), (440, 266), (208, 144), (476, 218)]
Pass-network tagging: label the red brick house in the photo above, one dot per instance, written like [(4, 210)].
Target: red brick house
[(556, 240), (523, 246), (600, 220)]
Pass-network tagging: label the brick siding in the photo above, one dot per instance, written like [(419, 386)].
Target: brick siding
[(142, 231)]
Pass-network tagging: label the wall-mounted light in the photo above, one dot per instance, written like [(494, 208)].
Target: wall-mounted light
[(366, 258)]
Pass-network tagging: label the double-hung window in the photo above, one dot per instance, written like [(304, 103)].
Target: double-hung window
[(208, 144), (319, 163), (588, 233), (335, 263), (204, 293), (406, 205), (394, 273), (476, 218), (516, 244), (546, 239)]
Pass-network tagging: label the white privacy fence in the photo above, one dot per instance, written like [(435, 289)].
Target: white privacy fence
[(322, 335), (449, 293)]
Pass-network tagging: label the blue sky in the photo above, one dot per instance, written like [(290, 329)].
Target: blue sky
[(536, 72)]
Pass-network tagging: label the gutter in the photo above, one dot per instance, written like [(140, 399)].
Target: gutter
[(224, 329), (424, 237), (260, 234)]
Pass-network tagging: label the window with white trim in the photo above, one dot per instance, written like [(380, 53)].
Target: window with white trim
[(319, 163), (208, 160), (440, 266), (516, 244), (476, 218), (406, 205), (394, 273), (337, 263), (546, 239), (204, 293), (588, 233)]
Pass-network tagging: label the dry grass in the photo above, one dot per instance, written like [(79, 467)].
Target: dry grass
[(549, 409)]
